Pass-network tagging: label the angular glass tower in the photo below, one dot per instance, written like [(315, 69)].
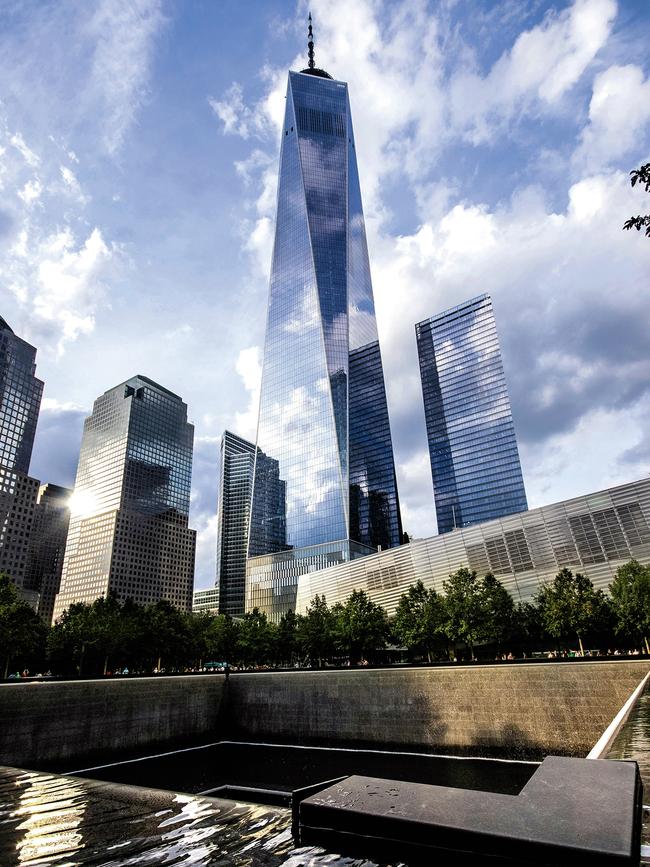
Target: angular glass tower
[(20, 400), (472, 444), (128, 531), (238, 458), (323, 411)]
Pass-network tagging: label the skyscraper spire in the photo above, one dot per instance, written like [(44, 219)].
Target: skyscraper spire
[(310, 44), (311, 66)]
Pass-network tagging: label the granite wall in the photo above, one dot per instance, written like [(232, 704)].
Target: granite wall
[(70, 724), (509, 710)]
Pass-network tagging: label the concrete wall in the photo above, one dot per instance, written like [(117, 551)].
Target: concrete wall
[(67, 725), (512, 710)]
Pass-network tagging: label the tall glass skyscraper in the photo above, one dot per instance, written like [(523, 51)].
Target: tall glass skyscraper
[(238, 457), (20, 400), (323, 411), (472, 444), (128, 529)]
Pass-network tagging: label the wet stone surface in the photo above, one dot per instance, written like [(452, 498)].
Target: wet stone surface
[(47, 819)]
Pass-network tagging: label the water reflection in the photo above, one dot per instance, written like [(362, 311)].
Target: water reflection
[(633, 742), (46, 819)]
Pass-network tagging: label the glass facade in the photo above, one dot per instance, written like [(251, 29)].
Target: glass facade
[(206, 601), (472, 444), (593, 534), (20, 400), (323, 412), (233, 520), (128, 529), (47, 548)]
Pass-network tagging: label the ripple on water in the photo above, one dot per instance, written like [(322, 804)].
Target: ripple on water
[(52, 820)]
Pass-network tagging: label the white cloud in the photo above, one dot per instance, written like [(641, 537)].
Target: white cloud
[(206, 547), (67, 281), (249, 368), (543, 64), (31, 191), (231, 111), (619, 113), (123, 37), (28, 155), (51, 404)]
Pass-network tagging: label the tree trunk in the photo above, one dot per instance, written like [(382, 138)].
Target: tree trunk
[(645, 638), (105, 664), (81, 658), (6, 674), (582, 650), (159, 663)]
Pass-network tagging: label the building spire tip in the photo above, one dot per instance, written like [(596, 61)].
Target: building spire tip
[(310, 44)]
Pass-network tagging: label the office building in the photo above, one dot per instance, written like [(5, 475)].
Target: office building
[(472, 444), (238, 461), (129, 531), (206, 601), (18, 505), (323, 410), (47, 546), (20, 400), (593, 534)]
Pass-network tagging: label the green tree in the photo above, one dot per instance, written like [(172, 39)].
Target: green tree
[(640, 176), (630, 593), (420, 619), (70, 638), (528, 627), (287, 638), (498, 611), (105, 622), (166, 635), (464, 607), (256, 638), (571, 606), (360, 626), (315, 631), (222, 639), (200, 627), (22, 632)]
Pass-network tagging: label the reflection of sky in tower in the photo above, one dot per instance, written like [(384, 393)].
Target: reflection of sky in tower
[(53, 809), (474, 354), (309, 484), (307, 316)]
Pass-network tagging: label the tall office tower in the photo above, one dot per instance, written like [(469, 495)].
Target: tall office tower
[(129, 530), (18, 503), (233, 517), (47, 546), (323, 411), (233, 521), (472, 444), (20, 400)]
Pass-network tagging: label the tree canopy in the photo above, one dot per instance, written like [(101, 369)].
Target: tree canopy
[(640, 176), (630, 592)]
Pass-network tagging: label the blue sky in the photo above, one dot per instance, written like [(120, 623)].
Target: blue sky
[(138, 158)]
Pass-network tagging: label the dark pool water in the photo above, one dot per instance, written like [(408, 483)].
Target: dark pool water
[(286, 768), (633, 742)]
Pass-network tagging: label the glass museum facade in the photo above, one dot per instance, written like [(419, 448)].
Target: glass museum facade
[(323, 412), (472, 444), (593, 534), (129, 529)]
